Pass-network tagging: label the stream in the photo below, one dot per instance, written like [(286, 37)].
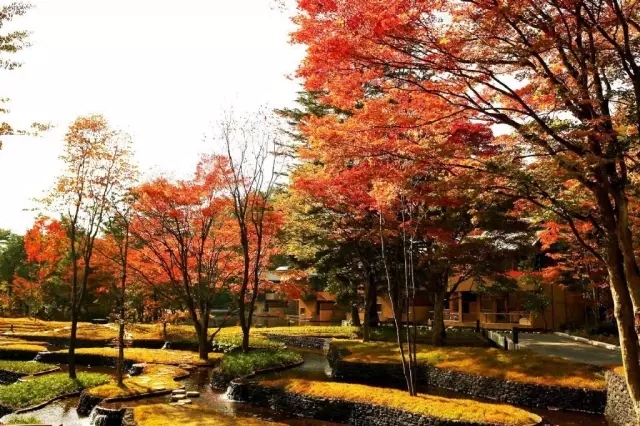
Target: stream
[(315, 367)]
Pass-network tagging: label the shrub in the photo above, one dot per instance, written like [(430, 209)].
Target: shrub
[(25, 367), (23, 420), (240, 364), (44, 388)]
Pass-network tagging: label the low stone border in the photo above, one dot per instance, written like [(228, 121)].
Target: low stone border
[(18, 354), (619, 408), (589, 342), (518, 393), (502, 340), (306, 342), (335, 410), (222, 381)]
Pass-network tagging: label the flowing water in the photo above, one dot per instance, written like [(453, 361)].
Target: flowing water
[(315, 367)]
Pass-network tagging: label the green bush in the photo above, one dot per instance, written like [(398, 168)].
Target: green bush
[(25, 367), (240, 364), (23, 420), (44, 388), (228, 343)]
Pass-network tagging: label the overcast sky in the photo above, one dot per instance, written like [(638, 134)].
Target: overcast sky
[(160, 70)]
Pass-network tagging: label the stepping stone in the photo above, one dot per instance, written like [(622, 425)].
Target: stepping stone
[(158, 388), (179, 392), (177, 397), (186, 401), (175, 403), (193, 394)]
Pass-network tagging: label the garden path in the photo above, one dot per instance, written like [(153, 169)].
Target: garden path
[(553, 345)]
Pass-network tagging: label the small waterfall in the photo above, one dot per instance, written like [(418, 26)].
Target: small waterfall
[(39, 357), (228, 395), (101, 416), (166, 345)]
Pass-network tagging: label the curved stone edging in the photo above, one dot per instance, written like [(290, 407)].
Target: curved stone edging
[(588, 342), (222, 381), (336, 410), (518, 393), (42, 373), (619, 408), (307, 342)]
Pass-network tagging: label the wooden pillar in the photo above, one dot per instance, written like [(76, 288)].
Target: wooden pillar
[(460, 306)]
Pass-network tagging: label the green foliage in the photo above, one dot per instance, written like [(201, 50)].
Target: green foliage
[(25, 367), (229, 343), (239, 364), (23, 419), (44, 388)]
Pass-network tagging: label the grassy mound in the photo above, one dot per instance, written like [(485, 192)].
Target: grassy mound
[(25, 367), (240, 364), (427, 405), (153, 376), (23, 419), (44, 388), (190, 415), (154, 356), (518, 366)]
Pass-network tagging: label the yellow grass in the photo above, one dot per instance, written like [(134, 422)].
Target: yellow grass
[(428, 405), (190, 415), (153, 375), (10, 344), (518, 366), (154, 356)]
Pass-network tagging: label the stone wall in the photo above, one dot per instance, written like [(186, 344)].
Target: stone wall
[(306, 342), (334, 410), (619, 410), (18, 354), (524, 394)]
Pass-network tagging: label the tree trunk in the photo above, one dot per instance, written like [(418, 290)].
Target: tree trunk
[(121, 351), (203, 342), (72, 343), (438, 318), (624, 314), (245, 340), (368, 290), (355, 316)]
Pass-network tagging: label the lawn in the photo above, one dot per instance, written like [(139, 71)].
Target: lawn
[(240, 364), (153, 377), (424, 404), (44, 388), (190, 415), (519, 366), (25, 367), (313, 330), (155, 356), (23, 419)]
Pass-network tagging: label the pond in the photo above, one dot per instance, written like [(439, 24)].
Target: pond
[(315, 367)]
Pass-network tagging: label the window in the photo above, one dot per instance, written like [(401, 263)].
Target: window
[(379, 308), (302, 311), (266, 306)]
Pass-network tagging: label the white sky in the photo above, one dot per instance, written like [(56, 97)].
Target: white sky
[(160, 70)]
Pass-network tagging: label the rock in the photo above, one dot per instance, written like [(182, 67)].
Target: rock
[(158, 388), (178, 397), (178, 392), (193, 394), (136, 369), (186, 401)]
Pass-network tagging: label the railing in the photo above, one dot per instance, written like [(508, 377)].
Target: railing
[(513, 317)]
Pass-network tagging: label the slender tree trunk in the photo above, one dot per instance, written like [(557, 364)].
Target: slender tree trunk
[(72, 343), (438, 317), (121, 350), (355, 316), (203, 338)]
